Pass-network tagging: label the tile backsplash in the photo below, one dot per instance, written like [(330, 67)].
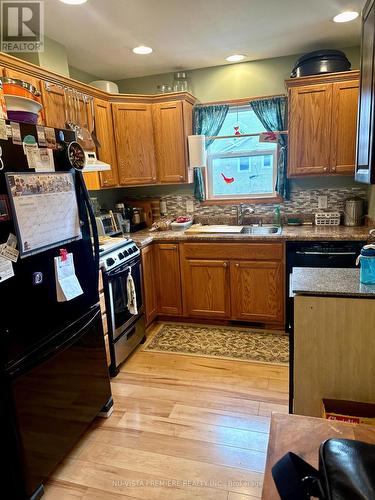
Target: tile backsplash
[(302, 202)]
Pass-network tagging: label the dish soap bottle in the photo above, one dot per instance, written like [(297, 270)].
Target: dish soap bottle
[(277, 217)]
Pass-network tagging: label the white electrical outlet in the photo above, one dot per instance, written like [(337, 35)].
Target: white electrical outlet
[(323, 201), (189, 206)]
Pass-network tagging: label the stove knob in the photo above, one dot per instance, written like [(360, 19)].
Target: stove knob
[(134, 249), (130, 251), (121, 256), (125, 253), (110, 261)]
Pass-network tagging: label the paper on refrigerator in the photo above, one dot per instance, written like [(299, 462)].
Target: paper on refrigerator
[(6, 268), (67, 284)]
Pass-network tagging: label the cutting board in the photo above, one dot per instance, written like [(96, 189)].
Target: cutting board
[(196, 229)]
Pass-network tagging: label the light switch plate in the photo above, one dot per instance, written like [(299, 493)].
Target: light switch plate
[(189, 206), (322, 201)]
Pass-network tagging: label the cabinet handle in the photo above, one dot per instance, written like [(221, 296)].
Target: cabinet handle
[(181, 177), (237, 265), (333, 169), (225, 264), (325, 169)]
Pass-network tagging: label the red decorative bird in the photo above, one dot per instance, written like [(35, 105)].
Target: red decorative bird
[(227, 180)]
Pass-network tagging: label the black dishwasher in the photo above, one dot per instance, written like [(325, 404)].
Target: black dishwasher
[(313, 254)]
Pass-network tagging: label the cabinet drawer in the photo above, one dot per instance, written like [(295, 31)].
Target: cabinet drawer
[(238, 251)]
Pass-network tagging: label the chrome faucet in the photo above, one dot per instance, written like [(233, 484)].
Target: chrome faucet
[(242, 210)]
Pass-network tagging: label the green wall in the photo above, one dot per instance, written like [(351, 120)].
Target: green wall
[(55, 59), (232, 81), (82, 76)]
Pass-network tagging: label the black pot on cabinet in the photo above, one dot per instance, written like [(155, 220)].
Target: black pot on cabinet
[(320, 61)]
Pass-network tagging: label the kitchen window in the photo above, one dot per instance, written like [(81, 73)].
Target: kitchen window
[(241, 168)]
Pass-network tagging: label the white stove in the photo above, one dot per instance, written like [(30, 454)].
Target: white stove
[(116, 251)]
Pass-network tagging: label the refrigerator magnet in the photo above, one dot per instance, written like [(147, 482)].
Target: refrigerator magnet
[(50, 137), (3, 130), (42, 141), (16, 133)]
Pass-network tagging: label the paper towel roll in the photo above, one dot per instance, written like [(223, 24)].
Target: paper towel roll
[(197, 150)]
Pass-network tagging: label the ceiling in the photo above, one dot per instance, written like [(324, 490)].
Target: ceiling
[(100, 34)]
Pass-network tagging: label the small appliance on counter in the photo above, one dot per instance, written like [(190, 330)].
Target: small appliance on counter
[(135, 216), (106, 225), (353, 211)]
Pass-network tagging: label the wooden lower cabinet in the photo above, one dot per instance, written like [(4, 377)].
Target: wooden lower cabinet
[(241, 282), (168, 279), (149, 283), (206, 284), (233, 281), (257, 291)]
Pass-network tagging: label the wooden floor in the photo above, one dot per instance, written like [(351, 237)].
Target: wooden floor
[(183, 427)]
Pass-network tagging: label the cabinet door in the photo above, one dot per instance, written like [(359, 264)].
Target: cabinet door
[(257, 290), (365, 138), (54, 105), (36, 82), (134, 143), (206, 288), (170, 142), (105, 134), (310, 112), (168, 279), (344, 126), (149, 283)]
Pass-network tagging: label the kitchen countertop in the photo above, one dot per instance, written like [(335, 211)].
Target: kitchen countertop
[(329, 282), (296, 233)]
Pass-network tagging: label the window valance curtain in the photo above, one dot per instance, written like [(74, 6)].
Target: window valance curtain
[(272, 114), (207, 120)]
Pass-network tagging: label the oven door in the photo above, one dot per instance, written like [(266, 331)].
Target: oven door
[(117, 297)]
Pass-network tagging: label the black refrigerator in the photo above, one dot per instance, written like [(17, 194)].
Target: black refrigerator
[(53, 371)]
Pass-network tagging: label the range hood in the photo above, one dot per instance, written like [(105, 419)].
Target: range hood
[(92, 164)]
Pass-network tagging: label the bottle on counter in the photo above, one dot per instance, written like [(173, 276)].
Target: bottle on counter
[(277, 217), (367, 262)]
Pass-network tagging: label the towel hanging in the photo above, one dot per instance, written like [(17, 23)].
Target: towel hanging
[(132, 296)]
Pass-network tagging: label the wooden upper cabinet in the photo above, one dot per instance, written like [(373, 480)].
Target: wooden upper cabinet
[(310, 109), (322, 124), (365, 168), (168, 279), (105, 134), (257, 291), (54, 105), (344, 126), (206, 288), (170, 141), (134, 143), (36, 82)]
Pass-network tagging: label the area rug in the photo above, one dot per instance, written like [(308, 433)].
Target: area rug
[(241, 344)]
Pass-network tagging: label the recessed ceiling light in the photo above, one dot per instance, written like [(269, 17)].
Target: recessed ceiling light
[(74, 2), (345, 17), (235, 58), (142, 49)]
